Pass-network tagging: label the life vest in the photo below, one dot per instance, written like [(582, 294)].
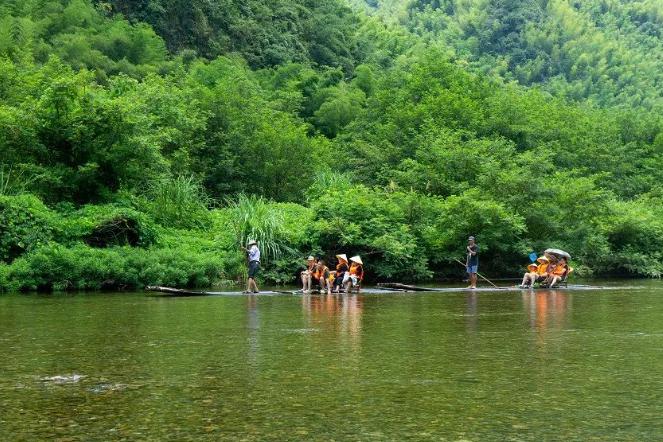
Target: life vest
[(542, 270), (560, 270), (320, 272), (341, 268), (357, 270)]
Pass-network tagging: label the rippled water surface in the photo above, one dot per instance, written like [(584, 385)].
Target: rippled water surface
[(552, 365)]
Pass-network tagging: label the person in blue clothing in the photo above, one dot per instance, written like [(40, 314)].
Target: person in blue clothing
[(253, 256), (472, 262)]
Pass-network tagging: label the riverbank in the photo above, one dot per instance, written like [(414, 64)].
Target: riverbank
[(134, 242)]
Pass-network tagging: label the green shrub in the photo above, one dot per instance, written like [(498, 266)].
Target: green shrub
[(107, 226), (56, 267), (371, 223), (25, 224), (178, 202), (4, 276)]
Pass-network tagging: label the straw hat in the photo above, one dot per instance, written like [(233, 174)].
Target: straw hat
[(542, 259), (252, 242), (532, 267), (310, 258), (357, 259), (343, 257)]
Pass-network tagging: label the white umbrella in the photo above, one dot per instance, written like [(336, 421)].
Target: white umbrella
[(558, 252)]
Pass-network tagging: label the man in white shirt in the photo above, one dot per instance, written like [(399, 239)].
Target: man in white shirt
[(253, 255)]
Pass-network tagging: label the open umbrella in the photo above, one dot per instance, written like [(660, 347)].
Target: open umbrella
[(559, 253)]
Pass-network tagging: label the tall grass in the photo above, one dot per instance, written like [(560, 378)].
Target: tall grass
[(179, 202), (253, 218), (13, 182)]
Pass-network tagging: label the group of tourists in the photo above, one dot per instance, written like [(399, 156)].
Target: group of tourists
[(348, 274), (550, 271)]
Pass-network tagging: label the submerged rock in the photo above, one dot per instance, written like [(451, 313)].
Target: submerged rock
[(72, 379)]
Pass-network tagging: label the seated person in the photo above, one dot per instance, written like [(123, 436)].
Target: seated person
[(558, 273), (341, 268), (321, 276), (542, 270), (530, 276), (354, 275), (307, 275)]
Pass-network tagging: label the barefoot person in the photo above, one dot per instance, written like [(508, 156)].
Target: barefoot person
[(558, 273), (472, 262), (341, 268), (253, 256), (321, 275), (530, 276), (307, 275), (354, 275)]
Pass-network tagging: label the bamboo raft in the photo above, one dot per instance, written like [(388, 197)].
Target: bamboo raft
[(381, 288)]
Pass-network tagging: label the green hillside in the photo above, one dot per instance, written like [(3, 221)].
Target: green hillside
[(609, 52), (143, 142)]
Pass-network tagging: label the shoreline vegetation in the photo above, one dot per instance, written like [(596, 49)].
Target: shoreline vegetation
[(135, 151)]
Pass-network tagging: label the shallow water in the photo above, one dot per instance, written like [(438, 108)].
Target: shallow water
[(550, 365)]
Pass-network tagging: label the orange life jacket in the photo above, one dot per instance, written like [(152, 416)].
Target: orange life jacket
[(560, 270), (543, 268), (357, 270)]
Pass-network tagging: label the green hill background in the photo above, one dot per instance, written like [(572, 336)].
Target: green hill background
[(142, 142)]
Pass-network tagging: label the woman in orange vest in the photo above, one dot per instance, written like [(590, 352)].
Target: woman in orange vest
[(341, 269), (558, 273), (355, 274)]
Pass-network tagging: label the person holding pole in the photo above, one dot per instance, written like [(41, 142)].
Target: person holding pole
[(253, 256), (472, 261)]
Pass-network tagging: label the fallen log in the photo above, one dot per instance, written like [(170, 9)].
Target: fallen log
[(174, 291), (399, 286)]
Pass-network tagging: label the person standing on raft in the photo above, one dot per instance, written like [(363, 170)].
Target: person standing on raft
[(472, 262), (253, 256)]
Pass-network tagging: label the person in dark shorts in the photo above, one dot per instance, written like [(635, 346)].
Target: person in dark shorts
[(472, 262), (341, 268), (253, 256)]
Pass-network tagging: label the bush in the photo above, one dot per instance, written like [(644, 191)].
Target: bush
[(25, 224), (178, 202), (108, 226), (371, 223), (56, 267)]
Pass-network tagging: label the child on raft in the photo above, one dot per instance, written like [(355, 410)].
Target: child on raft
[(536, 273)]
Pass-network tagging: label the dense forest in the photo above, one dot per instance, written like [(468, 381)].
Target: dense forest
[(142, 142)]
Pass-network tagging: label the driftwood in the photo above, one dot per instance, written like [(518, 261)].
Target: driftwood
[(399, 286), (177, 292)]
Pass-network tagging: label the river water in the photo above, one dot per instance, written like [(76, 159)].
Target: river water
[(550, 365)]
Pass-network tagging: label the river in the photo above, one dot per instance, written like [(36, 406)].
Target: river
[(547, 365)]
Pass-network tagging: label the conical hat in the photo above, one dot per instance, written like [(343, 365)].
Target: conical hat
[(542, 259), (311, 258), (357, 259), (342, 256)]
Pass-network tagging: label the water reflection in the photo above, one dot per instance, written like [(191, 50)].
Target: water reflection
[(472, 311), (339, 314), (547, 309), (253, 326)]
